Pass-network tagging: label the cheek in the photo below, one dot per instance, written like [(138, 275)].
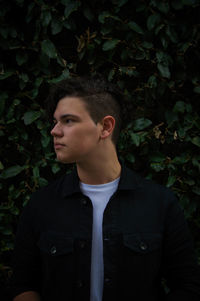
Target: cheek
[(86, 134)]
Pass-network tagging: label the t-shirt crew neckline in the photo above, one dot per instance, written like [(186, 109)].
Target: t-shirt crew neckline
[(96, 186)]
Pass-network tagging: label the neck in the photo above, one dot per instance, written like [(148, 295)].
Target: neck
[(104, 170)]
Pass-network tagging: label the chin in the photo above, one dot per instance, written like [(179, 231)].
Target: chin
[(65, 160)]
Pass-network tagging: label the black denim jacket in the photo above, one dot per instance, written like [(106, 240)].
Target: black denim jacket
[(145, 238)]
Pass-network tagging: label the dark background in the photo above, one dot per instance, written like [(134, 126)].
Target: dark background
[(151, 49)]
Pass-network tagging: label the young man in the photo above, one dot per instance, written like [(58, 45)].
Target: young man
[(101, 232)]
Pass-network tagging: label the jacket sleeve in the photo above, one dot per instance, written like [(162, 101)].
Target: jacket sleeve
[(180, 264), (26, 260)]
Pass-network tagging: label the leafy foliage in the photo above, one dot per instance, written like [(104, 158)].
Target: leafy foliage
[(149, 48)]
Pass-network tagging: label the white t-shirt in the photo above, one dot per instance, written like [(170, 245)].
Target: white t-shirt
[(99, 196)]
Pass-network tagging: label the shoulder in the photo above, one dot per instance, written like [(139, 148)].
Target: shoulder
[(147, 190), (52, 187), (131, 179), (53, 190), (155, 203)]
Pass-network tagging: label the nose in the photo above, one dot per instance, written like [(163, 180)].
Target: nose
[(57, 131)]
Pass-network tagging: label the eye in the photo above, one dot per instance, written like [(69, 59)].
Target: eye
[(69, 120)]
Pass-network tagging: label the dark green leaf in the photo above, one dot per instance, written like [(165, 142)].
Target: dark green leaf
[(119, 3), (70, 6), (171, 117), (164, 70), (135, 27), (65, 74), (55, 168), (7, 231), (152, 81), (141, 123), (172, 34), (13, 32), (162, 57), (46, 18), (147, 45), (135, 138), (31, 116), (24, 77), (140, 55), (157, 166), (4, 32), (42, 182), (36, 172), (163, 7), (45, 140), (157, 157), (12, 171), (110, 44), (196, 161), (152, 21), (130, 157), (15, 211), (189, 2), (177, 4), (190, 182), (197, 89), (196, 190), (88, 14), (196, 141), (111, 74), (170, 181), (56, 26), (103, 16), (182, 159), (30, 13), (49, 49), (6, 75), (179, 107), (21, 58)]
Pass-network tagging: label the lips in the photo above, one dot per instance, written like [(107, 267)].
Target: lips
[(58, 145)]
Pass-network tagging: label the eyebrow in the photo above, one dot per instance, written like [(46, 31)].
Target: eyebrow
[(67, 115)]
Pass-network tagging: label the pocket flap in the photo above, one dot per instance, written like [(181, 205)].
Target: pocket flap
[(55, 243), (143, 242)]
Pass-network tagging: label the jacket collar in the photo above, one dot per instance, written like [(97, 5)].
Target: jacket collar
[(129, 180)]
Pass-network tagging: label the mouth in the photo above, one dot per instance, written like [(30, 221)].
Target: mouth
[(58, 145)]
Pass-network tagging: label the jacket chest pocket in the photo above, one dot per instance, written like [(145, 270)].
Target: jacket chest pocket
[(57, 262), (56, 248), (141, 251)]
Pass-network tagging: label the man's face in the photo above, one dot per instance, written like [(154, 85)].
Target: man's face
[(76, 136)]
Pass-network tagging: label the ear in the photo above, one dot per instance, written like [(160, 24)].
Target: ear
[(108, 124)]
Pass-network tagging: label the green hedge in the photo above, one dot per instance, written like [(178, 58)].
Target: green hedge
[(149, 48)]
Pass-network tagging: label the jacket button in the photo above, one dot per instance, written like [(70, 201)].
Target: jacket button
[(81, 244), (107, 281), (84, 202), (79, 284), (53, 250), (143, 246)]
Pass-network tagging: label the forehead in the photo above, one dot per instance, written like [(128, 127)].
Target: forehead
[(71, 105)]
